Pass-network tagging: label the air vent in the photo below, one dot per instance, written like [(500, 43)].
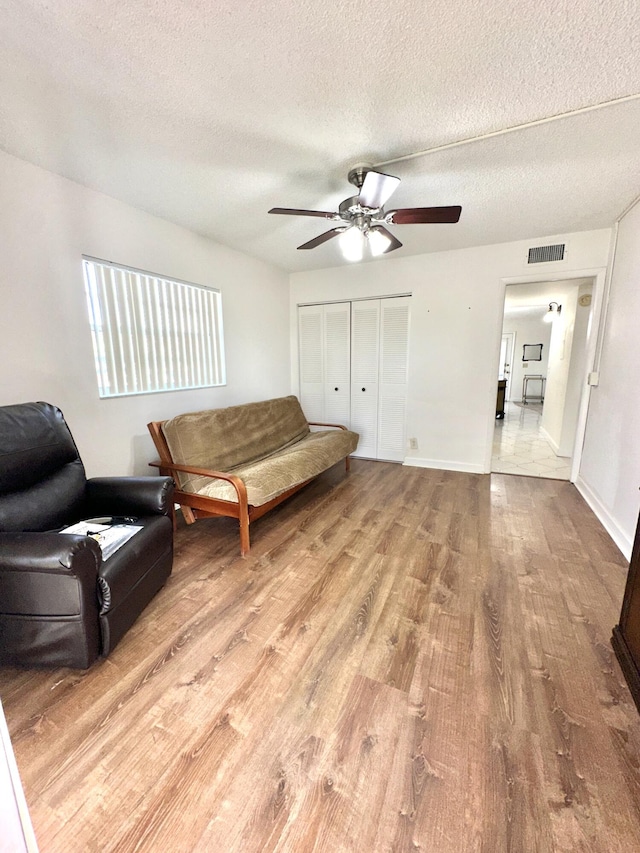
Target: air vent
[(545, 254)]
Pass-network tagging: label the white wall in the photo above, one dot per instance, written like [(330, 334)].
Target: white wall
[(566, 372), (610, 471), (527, 330), (560, 348), (577, 372), (456, 324), (46, 224)]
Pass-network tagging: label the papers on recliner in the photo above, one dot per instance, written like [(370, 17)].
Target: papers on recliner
[(109, 537)]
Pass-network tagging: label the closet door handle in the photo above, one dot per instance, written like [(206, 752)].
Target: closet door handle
[(336, 388), (364, 389)]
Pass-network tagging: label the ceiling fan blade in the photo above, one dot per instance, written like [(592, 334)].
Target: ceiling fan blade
[(394, 243), (424, 215), (321, 238), (291, 211), (377, 189)]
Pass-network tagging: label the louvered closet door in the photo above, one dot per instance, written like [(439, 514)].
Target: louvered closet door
[(310, 344), (365, 353), (393, 378), (337, 349), (353, 370)]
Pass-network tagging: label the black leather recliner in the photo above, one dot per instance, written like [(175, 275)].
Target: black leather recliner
[(61, 604)]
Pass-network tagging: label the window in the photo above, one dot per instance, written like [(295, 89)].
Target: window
[(152, 333)]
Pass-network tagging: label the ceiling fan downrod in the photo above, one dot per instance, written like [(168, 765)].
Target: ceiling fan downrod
[(358, 173)]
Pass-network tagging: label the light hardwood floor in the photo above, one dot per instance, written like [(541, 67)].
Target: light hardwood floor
[(408, 660)]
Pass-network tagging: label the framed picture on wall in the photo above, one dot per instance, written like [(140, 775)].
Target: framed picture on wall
[(532, 352)]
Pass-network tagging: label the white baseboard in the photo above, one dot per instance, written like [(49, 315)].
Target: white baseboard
[(549, 440), (624, 543), (552, 444), (444, 465)]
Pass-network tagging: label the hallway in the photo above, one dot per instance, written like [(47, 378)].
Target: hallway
[(519, 448)]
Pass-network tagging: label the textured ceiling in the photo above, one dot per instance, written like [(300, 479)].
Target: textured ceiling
[(209, 113)]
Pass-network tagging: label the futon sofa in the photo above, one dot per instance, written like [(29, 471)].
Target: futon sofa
[(244, 460)]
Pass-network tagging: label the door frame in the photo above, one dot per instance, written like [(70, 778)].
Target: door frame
[(599, 276), (511, 348)]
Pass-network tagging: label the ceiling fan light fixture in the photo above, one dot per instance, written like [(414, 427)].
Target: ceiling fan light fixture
[(352, 244), (378, 242)]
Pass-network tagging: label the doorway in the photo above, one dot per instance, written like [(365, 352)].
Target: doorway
[(547, 373)]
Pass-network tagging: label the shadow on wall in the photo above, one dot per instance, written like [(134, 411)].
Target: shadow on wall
[(143, 452)]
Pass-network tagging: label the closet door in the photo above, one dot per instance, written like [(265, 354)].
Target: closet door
[(393, 378), (324, 341), (337, 349), (353, 370), (310, 347), (365, 354)]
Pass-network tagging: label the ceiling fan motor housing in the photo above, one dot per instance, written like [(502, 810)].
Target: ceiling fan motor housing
[(351, 212), (358, 173), (348, 207)]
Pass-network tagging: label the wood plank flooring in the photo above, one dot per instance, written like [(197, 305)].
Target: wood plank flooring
[(407, 660)]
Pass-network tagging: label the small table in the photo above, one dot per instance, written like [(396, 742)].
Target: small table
[(527, 396)]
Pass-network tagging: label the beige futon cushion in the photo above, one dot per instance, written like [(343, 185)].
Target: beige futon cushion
[(268, 478), (222, 439), (267, 444)]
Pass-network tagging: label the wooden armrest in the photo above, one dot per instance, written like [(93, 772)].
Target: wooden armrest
[(236, 482), (337, 426)]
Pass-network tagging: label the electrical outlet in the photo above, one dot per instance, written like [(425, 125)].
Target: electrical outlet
[(413, 444)]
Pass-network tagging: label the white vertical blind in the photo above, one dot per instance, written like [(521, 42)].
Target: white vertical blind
[(152, 333)]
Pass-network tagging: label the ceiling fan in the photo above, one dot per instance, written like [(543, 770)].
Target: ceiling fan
[(362, 218)]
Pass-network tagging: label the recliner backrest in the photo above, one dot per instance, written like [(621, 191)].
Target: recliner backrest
[(42, 478)]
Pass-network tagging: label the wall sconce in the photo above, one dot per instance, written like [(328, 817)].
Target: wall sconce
[(552, 313)]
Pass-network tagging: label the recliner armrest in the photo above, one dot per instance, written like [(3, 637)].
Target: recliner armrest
[(49, 575), (135, 496), (49, 599), (49, 552)]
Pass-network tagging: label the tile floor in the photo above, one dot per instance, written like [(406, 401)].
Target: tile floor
[(519, 448)]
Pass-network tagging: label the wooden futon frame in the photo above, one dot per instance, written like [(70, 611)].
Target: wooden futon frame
[(196, 506)]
